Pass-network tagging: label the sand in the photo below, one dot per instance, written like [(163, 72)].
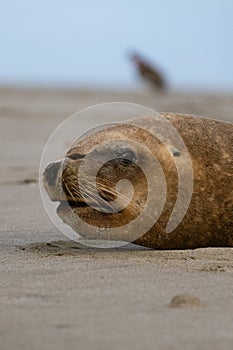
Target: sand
[(55, 294)]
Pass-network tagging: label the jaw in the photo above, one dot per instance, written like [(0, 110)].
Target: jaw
[(73, 218), (95, 224), (93, 231)]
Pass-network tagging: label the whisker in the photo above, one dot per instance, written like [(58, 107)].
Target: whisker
[(97, 199), (87, 189), (68, 190)]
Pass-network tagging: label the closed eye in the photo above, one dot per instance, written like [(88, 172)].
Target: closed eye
[(127, 158)]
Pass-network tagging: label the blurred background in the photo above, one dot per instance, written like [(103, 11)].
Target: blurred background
[(57, 57), (88, 43)]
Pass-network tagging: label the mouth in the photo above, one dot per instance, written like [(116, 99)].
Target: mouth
[(83, 205), (72, 205)]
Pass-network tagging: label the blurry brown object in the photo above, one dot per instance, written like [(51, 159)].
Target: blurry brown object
[(147, 72)]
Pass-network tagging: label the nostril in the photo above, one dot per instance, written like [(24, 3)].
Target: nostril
[(51, 173)]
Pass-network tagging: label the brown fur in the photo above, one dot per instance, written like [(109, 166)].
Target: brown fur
[(209, 218)]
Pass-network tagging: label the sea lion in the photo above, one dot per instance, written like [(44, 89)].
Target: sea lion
[(208, 219)]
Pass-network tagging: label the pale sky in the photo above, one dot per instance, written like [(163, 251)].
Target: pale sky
[(86, 43)]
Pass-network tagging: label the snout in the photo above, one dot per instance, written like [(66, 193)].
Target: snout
[(50, 173), (52, 180)]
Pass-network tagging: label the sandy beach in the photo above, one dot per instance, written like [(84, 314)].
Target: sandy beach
[(56, 294)]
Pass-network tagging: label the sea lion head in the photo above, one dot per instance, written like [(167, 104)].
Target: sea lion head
[(160, 181), (102, 181)]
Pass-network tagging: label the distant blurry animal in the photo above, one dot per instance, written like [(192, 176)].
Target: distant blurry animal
[(147, 72)]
